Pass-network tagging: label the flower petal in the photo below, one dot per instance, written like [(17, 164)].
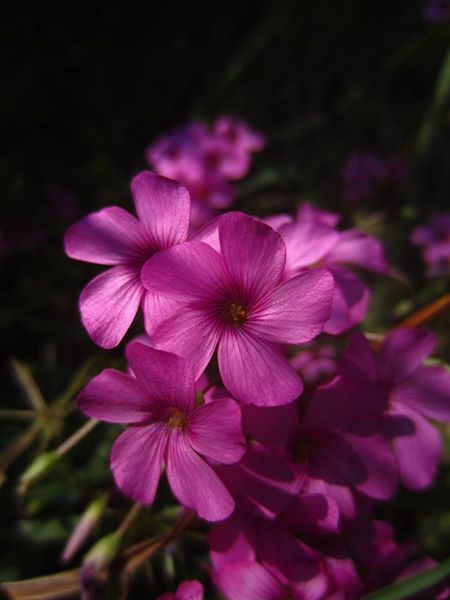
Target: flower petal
[(137, 458), (427, 391), (192, 271), (357, 248), (417, 446), (190, 333), (255, 371), (350, 302), (297, 310), (157, 309), (163, 207), (194, 483), (248, 581), (215, 431), (115, 397), (190, 590), (167, 378), (109, 303), (307, 242), (254, 254), (402, 352), (107, 237)]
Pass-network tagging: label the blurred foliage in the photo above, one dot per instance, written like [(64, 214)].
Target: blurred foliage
[(84, 92)]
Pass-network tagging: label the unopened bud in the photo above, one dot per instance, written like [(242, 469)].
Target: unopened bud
[(38, 468), (84, 527), (103, 552)]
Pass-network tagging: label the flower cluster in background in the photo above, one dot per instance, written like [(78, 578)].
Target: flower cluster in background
[(366, 173), (272, 419), (206, 160)]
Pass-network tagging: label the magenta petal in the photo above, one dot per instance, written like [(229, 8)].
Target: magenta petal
[(254, 254), (249, 581), (297, 310), (137, 459), (188, 272), (115, 397), (402, 352), (359, 359), (426, 391), (192, 334), (109, 303), (107, 237), (215, 431), (271, 424), (307, 242), (166, 377), (194, 483), (417, 448), (350, 302), (190, 590), (163, 207), (255, 371), (157, 309), (357, 248)]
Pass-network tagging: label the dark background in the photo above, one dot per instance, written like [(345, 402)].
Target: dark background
[(85, 90)]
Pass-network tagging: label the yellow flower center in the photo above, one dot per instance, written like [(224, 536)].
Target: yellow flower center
[(235, 313), (176, 419)]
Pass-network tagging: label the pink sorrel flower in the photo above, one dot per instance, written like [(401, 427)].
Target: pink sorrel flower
[(206, 161), (407, 393), (336, 460), (434, 239), (237, 301), (112, 236), (312, 240), (166, 428), (365, 173), (187, 590)]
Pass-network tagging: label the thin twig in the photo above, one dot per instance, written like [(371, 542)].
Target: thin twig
[(76, 437), (28, 385)]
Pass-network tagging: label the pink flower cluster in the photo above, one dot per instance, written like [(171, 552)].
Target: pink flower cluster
[(206, 160), (289, 478), (365, 173), (434, 239)]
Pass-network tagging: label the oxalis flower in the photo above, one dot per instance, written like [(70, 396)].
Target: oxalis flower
[(112, 236), (236, 300), (166, 428)]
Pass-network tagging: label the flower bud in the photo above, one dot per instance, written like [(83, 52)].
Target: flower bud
[(84, 527)]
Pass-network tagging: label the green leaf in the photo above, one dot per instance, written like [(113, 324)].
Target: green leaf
[(412, 585)]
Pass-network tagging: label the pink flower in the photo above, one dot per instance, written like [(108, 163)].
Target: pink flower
[(187, 590), (336, 450), (434, 238), (312, 240), (407, 393), (166, 428), (112, 236), (236, 301), (315, 364), (206, 161), (238, 135)]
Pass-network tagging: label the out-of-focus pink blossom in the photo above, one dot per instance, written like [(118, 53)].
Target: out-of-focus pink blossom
[(187, 590), (434, 239), (206, 160), (364, 173), (312, 240), (315, 364), (238, 302), (114, 237), (166, 428), (407, 393)]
